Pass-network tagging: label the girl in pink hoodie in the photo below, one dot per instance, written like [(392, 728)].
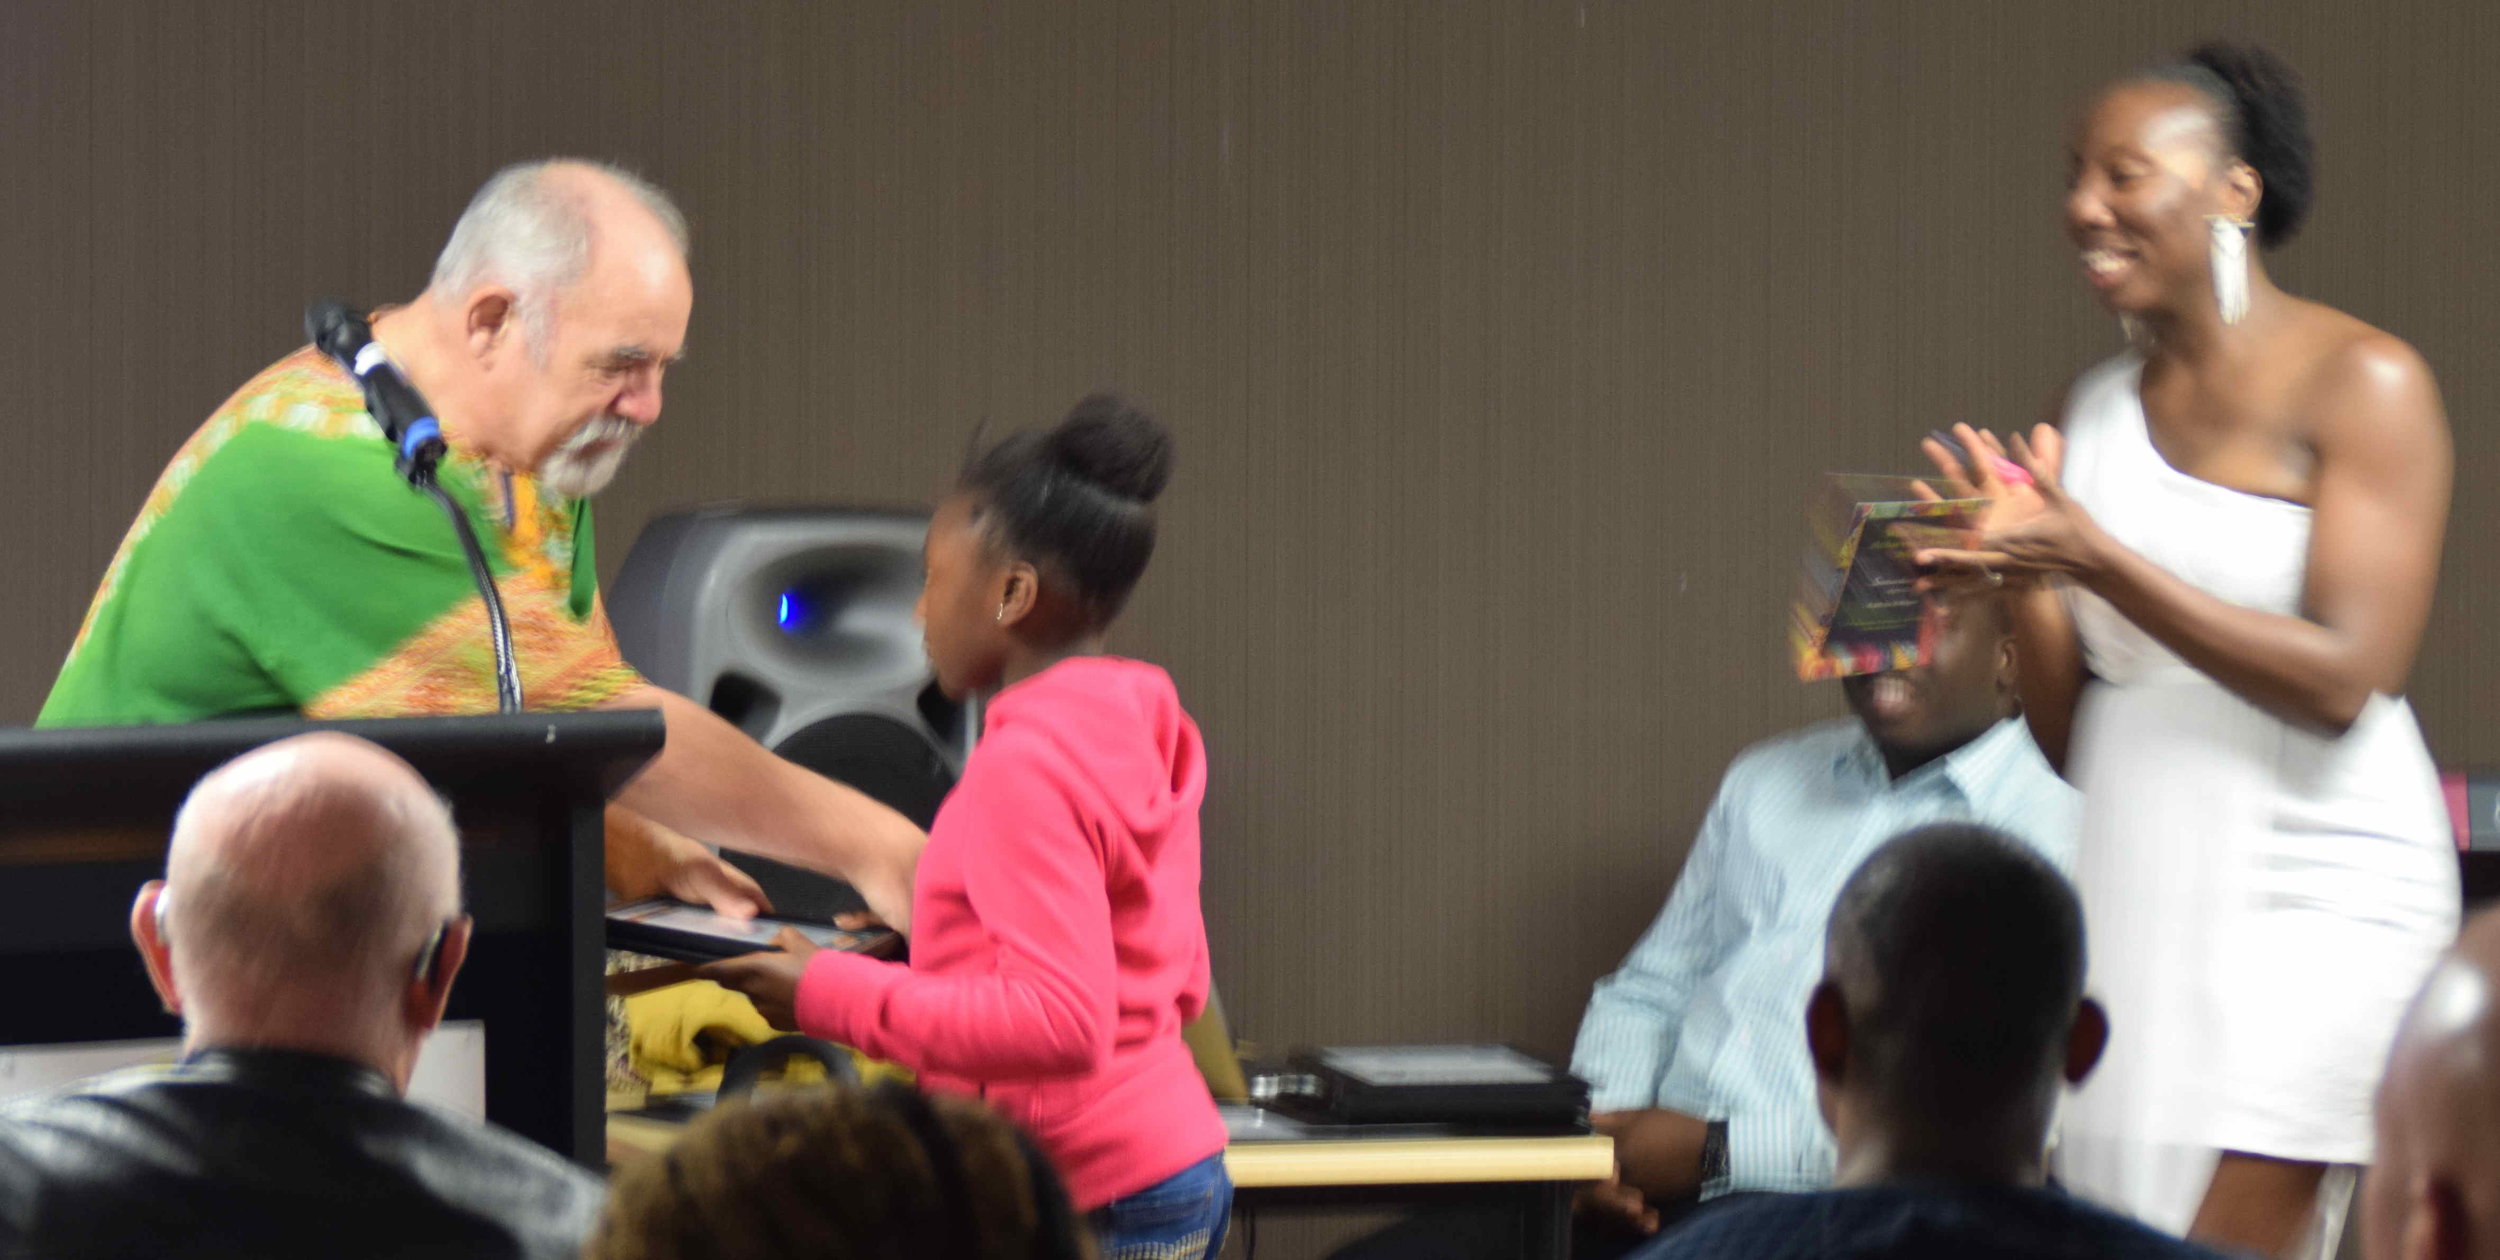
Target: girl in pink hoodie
[(1057, 945)]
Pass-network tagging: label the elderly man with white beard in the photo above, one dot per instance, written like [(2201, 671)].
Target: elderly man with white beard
[(282, 565)]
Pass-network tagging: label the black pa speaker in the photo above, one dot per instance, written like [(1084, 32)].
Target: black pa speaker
[(796, 625)]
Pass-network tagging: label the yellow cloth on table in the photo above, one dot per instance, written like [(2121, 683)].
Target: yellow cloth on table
[(680, 1037)]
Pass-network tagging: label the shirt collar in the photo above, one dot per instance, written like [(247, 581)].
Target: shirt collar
[(294, 1069), (1969, 769)]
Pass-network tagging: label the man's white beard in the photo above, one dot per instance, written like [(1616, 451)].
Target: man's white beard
[(576, 472)]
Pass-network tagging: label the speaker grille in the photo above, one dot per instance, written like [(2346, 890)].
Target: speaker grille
[(884, 758)]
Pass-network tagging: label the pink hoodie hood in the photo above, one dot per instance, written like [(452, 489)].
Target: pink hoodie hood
[(1120, 727)]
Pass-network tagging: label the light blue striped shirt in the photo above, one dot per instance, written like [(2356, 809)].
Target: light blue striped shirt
[(1707, 1014)]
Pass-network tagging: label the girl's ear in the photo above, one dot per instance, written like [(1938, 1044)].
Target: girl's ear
[(1021, 595)]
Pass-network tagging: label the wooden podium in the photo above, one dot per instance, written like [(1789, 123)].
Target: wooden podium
[(84, 817)]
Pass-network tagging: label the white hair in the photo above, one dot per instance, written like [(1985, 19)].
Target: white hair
[(529, 230)]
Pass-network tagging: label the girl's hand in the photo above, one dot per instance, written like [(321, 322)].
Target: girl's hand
[(769, 979), (2026, 531)]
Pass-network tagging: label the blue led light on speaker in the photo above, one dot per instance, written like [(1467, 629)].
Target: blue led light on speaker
[(792, 612)]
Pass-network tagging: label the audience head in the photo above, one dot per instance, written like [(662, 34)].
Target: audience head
[(311, 901), (1951, 1009), (1043, 539), (2434, 1188), (1918, 714), (562, 298), (858, 1173)]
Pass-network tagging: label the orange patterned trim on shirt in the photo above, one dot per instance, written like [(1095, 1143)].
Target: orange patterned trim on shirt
[(449, 666)]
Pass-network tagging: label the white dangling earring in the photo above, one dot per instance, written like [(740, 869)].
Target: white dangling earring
[(2230, 266), (2139, 338)]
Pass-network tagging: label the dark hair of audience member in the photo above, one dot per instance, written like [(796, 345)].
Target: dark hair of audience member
[(1960, 955), (1077, 501), (2257, 101), (863, 1174)]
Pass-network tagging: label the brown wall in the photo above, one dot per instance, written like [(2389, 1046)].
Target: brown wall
[(1502, 340)]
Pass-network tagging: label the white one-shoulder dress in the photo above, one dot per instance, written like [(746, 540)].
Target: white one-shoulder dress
[(2261, 899)]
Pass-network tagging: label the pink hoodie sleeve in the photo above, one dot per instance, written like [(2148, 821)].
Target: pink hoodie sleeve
[(1035, 880)]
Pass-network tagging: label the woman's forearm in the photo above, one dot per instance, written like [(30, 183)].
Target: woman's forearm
[(2289, 666), (2048, 667)]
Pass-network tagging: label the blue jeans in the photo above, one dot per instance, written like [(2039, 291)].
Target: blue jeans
[(1182, 1217)]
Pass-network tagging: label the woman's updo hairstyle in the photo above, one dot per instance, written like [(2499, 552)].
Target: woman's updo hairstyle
[(2264, 121), (1079, 499)]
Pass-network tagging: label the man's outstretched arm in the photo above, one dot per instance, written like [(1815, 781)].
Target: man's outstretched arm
[(716, 785)]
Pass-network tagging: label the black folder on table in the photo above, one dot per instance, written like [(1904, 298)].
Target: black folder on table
[(1473, 1087)]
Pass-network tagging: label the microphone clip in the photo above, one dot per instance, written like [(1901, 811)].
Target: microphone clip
[(419, 441)]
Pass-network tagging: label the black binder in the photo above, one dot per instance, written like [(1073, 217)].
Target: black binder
[(1468, 1086)]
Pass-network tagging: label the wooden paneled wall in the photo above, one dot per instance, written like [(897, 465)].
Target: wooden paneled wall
[(1502, 338)]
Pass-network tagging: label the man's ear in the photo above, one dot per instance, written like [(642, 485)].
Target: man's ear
[(1827, 1033), (2085, 1040), (147, 931), (430, 988), (2008, 673), (490, 320), (1021, 595)]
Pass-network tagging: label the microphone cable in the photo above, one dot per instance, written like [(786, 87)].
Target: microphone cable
[(410, 427)]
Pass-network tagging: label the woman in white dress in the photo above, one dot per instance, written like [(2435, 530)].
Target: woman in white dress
[(2219, 577)]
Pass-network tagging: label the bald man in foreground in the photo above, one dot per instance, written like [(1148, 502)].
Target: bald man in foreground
[(307, 931), (2434, 1191)]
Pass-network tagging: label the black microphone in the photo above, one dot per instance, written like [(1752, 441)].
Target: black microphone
[(406, 419)]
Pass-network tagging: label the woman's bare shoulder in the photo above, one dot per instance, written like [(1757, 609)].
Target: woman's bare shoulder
[(2343, 355), (2353, 379)]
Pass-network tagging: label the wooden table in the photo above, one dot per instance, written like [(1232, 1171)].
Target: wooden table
[(1534, 1177)]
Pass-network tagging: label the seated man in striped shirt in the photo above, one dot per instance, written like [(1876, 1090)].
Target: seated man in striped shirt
[(1695, 1047)]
